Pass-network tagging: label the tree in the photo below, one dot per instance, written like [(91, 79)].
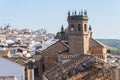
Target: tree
[(58, 35)]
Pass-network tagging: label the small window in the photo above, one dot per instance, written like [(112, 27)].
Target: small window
[(85, 27), (79, 27), (43, 67), (36, 72), (72, 27)]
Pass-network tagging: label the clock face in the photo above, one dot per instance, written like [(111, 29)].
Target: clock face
[(72, 29)]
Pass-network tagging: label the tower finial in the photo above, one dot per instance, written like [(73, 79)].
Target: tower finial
[(75, 12), (81, 12), (62, 28), (72, 13), (90, 27), (68, 13), (85, 12)]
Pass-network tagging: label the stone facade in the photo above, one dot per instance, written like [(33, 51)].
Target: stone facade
[(79, 37), (78, 33), (51, 54)]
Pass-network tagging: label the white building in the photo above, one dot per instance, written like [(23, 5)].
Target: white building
[(8, 68)]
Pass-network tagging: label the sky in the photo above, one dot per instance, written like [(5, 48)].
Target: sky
[(103, 15)]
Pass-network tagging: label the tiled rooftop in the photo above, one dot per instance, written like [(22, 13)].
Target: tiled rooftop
[(19, 60), (83, 67)]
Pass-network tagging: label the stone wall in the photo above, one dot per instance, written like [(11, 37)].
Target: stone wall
[(51, 54)]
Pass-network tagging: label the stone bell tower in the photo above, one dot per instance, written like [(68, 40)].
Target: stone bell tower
[(78, 33)]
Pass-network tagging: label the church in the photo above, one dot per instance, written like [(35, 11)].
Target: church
[(76, 55), (79, 36), (75, 39)]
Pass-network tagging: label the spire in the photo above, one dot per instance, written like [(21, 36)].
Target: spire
[(62, 29), (62, 33), (68, 13), (90, 27), (75, 12), (72, 13), (81, 12), (85, 12)]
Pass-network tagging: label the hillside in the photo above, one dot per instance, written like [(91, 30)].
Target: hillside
[(114, 45), (111, 42)]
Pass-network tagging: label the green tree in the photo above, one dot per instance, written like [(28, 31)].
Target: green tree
[(58, 35)]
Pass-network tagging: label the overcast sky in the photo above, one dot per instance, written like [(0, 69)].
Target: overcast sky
[(104, 15)]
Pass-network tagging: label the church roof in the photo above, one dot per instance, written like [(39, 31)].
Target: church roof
[(95, 43), (83, 66), (63, 44), (19, 60), (58, 70)]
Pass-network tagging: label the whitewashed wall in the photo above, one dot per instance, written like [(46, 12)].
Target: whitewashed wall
[(8, 68)]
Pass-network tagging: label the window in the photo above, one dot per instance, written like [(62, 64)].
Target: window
[(85, 27), (36, 72), (43, 67), (72, 27), (79, 27)]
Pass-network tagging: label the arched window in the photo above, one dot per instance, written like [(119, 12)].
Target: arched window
[(72, 27), (85, 27), (79, 27)]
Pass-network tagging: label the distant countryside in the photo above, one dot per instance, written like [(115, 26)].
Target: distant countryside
[(114, 45)]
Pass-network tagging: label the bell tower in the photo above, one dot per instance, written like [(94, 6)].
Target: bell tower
[(78, 33)]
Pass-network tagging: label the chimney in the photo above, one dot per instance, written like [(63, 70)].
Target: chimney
[(30, 69), (59, 56), (118, 73)]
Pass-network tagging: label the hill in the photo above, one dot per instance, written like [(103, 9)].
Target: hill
[(114, 45), (111, 42)]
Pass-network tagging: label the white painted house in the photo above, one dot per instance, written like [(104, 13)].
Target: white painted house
[(8, 68)]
